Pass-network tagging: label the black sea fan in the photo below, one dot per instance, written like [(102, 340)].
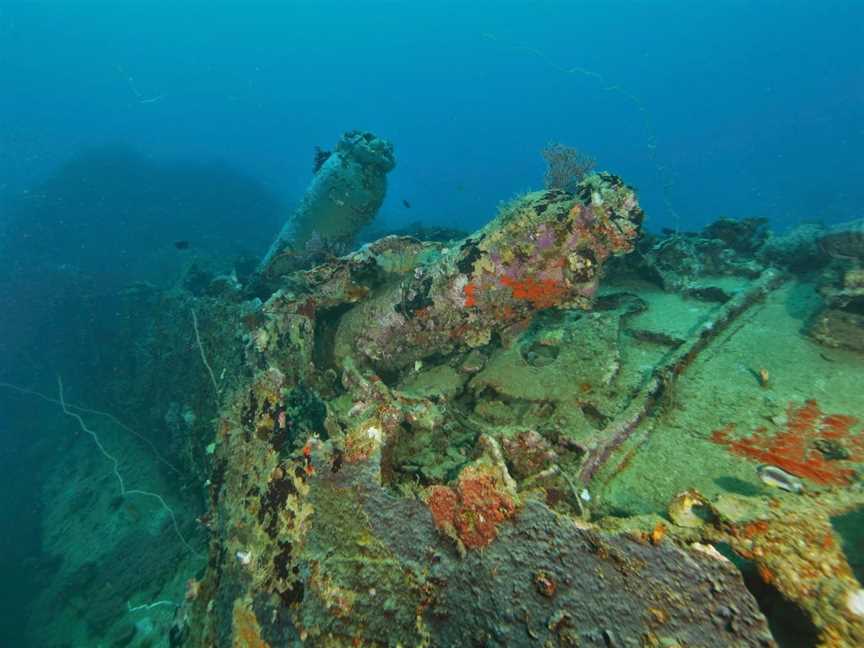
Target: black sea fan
[(566, 166)]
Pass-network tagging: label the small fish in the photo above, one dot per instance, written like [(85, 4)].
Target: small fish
[(181, 245), (779, 478), (406, 203)]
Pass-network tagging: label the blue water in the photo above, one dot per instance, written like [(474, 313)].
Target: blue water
[(128, 126), (731, 108)]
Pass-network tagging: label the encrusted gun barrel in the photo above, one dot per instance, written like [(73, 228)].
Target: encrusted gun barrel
[(345, 194), (545, 249)]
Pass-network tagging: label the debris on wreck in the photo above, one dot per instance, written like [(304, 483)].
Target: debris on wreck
[(560, 429), (840, 323), (348, 558), (845, 241), (795, 550), (683, 262), (413, 491), (416, 441)]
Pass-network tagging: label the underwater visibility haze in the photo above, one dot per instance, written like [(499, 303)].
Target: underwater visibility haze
[(397, 323)]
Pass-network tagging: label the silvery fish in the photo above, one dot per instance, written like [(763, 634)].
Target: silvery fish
[(779, 478)]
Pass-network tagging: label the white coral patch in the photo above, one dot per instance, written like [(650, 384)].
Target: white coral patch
[(456, 294), (709, 550), (855, 602), (374, 433)]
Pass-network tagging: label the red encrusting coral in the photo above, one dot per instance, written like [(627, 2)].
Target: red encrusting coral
[(544, 293), (813, 446), (473, 510), (470, 291)]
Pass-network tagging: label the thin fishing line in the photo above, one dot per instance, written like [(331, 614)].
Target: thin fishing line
[(87, 410), (116, 468), (69, 411)]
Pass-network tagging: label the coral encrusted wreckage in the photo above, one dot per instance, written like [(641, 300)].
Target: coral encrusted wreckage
[(426, 440)]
